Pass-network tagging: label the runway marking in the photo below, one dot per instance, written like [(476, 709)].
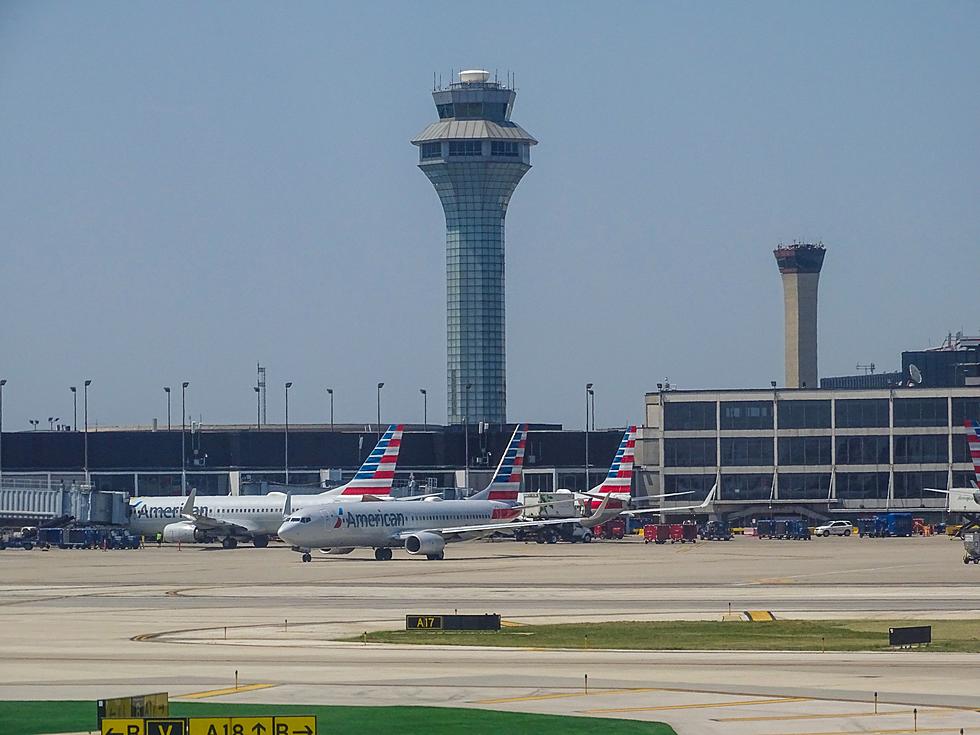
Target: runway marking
[(703, 705), (223, 692), (566, 695)]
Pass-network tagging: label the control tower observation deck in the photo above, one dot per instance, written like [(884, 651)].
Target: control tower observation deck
[(475, 156)]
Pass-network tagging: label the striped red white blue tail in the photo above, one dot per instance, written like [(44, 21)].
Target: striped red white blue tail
[(973, 439), (506, 482), (619, 479), (378, 471)]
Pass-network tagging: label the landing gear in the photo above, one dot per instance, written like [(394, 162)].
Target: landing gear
[(229, 542), (260, 542), (436, 557), (307, 557), (382, 554)]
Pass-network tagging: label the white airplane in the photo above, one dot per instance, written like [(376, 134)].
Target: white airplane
[(967, 499), (230, 518), (426, 527), (619, 480)]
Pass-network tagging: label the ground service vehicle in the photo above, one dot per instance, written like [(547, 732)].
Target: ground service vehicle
[(881, 525), (783, 528), (971, 544), (715, 531), (834, 528), (614, 529)]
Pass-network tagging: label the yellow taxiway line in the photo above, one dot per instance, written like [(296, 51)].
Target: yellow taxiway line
[(703, 705), (223, 692), (832, 715), (565, 695)]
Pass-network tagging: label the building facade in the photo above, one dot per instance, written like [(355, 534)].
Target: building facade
[(475, 156), (819, 451)]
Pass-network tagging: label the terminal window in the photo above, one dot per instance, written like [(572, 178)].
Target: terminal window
[(746, 415), (689, 416), (746, 487), (804, 414), (855, 413), (746, 451), (913, 484), (694, 452), (920, 412), (922, 449), (815, 485), (804, 450), (862, 485), (862, 450)]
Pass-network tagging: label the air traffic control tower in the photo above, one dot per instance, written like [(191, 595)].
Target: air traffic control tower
[(475, 157), (800, 264)]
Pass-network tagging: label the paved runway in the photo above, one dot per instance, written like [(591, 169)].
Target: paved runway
[(86, 624)]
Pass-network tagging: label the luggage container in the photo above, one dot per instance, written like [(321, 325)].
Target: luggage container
[(663, 533), (690, 532), (716, 531), (650, 533), (971, 545), (676, 532), (764, 528)]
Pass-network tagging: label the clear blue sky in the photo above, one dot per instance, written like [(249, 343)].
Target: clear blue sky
[(189, 187)]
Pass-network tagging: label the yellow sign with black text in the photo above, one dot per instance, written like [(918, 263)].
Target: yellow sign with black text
[(284, 725)]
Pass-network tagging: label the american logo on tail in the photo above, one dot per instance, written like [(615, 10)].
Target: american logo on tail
[(506, 481), (973, 439), (378, 471), (619, 479)]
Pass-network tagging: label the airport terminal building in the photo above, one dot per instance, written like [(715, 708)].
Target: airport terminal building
[(818, 452)]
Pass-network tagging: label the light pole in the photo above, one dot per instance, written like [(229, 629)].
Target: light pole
[(183, 438), (286, 456), (51, 420), (588, 391), (3, 382), (33, 423), (74, 402), (380, 386), (330, 393), (85, 386), (466, 434), (166, 389), (592, 395), (425, 408), (258, 407)]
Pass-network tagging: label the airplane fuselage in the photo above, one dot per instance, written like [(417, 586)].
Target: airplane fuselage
[(379, 525)]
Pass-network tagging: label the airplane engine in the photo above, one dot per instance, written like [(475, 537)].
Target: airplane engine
[(183, 532), (425, 543)]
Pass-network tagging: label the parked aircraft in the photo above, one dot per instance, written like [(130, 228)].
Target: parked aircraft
[(231, 518), (426, 527), (966, 500)]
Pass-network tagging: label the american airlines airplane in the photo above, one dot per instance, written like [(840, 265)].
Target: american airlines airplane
[(230, 518), (426, 527), (966, 500)]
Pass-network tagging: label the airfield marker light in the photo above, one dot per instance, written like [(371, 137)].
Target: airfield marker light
[(876, 702), (586, 683), (915, 719), (236, 678)]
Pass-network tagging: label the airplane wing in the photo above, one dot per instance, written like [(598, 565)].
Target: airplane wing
[(673, 509), (961, 499), (206, 522), (601, 515)]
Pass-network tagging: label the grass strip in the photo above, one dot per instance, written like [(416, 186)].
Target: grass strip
[(962, 636), (45, 717)]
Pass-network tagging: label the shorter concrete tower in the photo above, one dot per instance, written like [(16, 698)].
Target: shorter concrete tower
[(800, 265)]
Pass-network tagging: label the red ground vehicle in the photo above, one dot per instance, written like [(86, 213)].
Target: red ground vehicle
[(690, 532), (658, 533), (614, 529), (676, 532)]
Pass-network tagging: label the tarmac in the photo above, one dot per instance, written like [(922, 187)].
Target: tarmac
[(92, 624)]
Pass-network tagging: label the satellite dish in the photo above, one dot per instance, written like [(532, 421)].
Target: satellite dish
[(915, 374)]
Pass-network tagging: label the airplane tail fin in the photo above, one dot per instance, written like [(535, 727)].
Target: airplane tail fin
[(506, 480), (973, 439), (619, 479), (376, 475)]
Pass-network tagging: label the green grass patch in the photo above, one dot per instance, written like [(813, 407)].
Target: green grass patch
[(681, 635), (40, 718)]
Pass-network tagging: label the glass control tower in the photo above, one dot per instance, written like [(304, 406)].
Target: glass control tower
[(475, 157)]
